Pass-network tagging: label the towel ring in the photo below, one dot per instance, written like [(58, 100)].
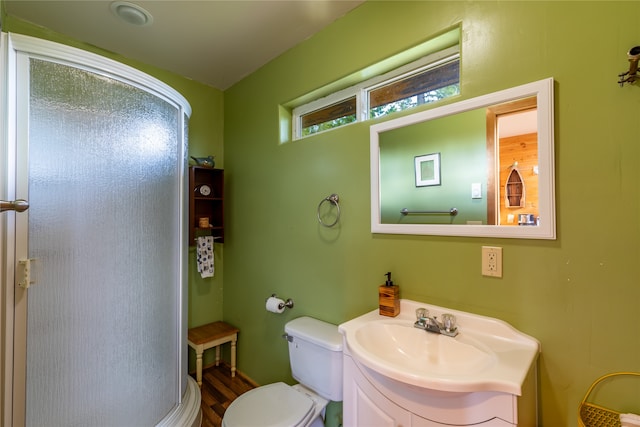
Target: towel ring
[(333, 199)]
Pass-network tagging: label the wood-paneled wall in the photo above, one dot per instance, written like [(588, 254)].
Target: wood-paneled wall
[(522, 149)]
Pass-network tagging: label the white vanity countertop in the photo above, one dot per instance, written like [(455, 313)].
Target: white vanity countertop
[(487, 354)]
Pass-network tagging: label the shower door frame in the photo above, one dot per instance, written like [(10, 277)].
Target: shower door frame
[(14, 184)]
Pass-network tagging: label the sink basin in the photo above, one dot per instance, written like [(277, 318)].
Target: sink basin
[(487, 354), (422, 352)]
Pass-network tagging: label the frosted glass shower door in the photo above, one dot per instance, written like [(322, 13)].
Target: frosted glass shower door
[(105, 165)]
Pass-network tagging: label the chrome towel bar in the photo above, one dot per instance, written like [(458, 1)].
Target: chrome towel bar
[(452, 212)]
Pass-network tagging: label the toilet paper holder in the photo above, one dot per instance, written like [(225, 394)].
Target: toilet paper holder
[(286, 304)]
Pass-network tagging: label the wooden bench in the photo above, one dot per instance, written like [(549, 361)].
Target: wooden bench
[(211, 335)]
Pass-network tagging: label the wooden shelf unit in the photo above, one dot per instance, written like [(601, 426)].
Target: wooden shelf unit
[(515, 189), (211, 206)]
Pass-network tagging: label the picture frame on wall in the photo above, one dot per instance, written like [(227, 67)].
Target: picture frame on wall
[(427, 169)]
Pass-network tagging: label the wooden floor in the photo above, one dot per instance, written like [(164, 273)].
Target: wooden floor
[(218, 391)]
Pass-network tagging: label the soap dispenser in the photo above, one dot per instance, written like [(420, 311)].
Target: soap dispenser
[(389, 298)]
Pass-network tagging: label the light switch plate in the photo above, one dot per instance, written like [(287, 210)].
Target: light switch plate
[(476, 190)]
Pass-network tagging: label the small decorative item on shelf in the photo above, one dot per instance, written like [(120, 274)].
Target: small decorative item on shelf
[(207, 162), (203, 190), (203, 222)]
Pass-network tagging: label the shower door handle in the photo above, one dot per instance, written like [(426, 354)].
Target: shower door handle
[(19, 205)]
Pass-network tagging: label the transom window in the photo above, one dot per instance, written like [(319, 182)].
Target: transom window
[(424, 81), (329, 117), (426, 86)]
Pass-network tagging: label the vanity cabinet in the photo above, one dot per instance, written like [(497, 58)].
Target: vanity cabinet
[(206, 197), (372, 399)]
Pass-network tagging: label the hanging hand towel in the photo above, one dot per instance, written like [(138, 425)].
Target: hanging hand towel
[(204, 251)]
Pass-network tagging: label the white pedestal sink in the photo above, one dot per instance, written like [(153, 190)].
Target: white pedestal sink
[(396, 374)]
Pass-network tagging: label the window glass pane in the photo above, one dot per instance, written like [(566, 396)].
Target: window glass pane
[(422, 88), (330, 117), (414, 101)]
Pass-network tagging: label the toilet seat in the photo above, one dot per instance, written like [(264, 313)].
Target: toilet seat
[(272, 405)]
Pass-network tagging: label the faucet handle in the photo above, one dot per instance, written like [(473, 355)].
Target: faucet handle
[(422, 313), (449, 322)]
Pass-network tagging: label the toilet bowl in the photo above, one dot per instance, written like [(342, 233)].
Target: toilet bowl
[(276, 405), (315, 354)]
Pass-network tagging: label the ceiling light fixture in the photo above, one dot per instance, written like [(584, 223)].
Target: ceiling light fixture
[(131, 13)]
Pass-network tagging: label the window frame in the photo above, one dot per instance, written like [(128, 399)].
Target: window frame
[(361, 90)]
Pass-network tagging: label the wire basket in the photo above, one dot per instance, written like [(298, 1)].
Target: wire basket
[(592, 415)]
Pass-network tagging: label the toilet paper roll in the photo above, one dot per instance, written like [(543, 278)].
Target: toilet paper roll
[(275, 305)]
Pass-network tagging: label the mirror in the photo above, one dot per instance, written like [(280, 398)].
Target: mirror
[(482, 167)]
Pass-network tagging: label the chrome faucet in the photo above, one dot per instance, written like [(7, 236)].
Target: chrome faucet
[(431, 324)]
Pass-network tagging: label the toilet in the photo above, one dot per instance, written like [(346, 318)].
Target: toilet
[(315, 354)]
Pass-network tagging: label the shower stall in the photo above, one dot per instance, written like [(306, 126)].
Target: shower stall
[(94, 272)]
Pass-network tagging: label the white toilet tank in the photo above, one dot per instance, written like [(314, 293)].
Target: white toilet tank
[(315, 353)]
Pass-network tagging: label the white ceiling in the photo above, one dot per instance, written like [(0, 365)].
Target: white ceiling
[(520, 123), (211, 41)]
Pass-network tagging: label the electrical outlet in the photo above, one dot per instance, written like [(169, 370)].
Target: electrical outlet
[(492, 261)]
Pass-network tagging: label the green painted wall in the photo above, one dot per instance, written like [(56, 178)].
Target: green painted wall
[(578, 294), (205, 137), (461, 141)]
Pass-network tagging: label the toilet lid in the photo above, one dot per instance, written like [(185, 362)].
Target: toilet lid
[(269, 406)]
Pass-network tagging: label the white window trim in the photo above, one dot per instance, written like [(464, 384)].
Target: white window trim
[(362, 89)]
